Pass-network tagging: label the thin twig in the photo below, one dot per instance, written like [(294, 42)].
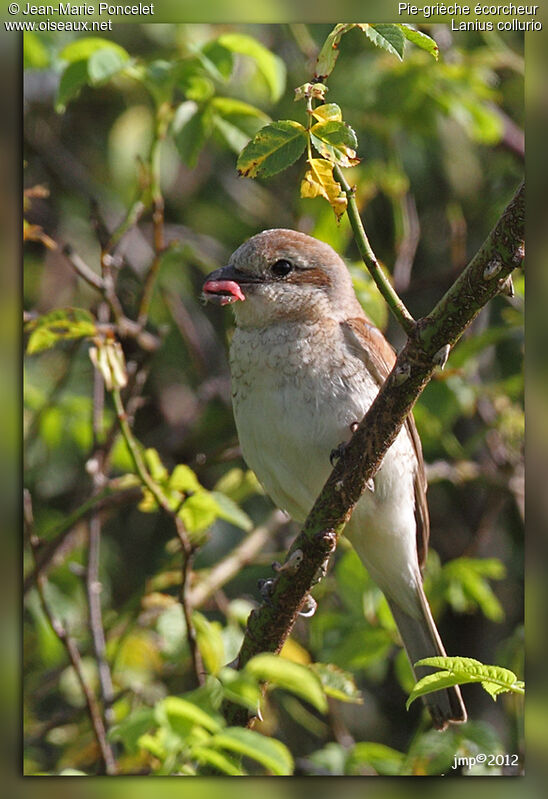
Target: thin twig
[(72, 650), (93, 584), (163, 502), (157, 214), (45, 553), (369, 258)]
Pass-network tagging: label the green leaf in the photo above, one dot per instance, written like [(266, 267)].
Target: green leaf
[(388, 36), (154, 464), (467, 584), (82, 49), (206, 756), (383, 759), (269, 752), (271, 67), (219, 57), (72, 79), (190, 126), (457, 670), (103, 64), (130, 729), (228, 510), (241, 687), (179, 713), (60, 325), (335, 141), (274, 148), (199, 512), (210, 642), (236, 121), (420, 40), (337, 683), (35, 53), (199, 88), (184, 480), (293, 677)]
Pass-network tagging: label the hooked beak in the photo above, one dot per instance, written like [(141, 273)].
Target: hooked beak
[(223, 286)]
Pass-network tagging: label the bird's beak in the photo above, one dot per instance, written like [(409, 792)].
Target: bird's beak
[(224, 286)]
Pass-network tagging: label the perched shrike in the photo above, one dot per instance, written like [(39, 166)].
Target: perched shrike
[(306, 364)]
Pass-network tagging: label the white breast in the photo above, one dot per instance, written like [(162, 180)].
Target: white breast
[(296, 391)]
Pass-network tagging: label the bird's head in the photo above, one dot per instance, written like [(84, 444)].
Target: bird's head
[(282, 275)]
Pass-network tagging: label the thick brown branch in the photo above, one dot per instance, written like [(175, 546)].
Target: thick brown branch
[(426, 350)]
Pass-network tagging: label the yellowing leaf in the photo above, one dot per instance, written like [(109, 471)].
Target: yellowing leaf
[(335, 141), (319, 182), (328, 112), (272, 149)]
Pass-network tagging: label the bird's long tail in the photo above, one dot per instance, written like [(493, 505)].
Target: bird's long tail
[(421, 640)]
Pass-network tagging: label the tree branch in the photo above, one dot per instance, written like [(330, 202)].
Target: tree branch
[(426, 349)]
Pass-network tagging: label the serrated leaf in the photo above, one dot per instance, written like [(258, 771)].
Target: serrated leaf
[(272, 149), (337, 683), (190, 126), (328, 112), (60, 325), (420, 39), (388, 36), (457, 670), (290, 676), (271, 67), (319, 181), (104, 63), (329, 52), (335, 141), (82, 49), (269, 752)]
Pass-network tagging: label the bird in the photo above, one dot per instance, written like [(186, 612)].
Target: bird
[(306, 363)]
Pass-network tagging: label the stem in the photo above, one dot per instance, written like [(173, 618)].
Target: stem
[(157, 213), (93, 584), (58, 534), (72, 651), (395, 304), (163, 503)]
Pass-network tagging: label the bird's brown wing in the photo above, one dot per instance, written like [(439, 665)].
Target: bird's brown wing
[(378, 356)]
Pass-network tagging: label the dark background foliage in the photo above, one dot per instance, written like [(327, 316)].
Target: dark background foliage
[(441, 154)]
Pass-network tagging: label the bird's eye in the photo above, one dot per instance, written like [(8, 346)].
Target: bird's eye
[(281, 268)]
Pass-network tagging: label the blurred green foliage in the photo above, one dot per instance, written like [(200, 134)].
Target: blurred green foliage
[(440, 157)]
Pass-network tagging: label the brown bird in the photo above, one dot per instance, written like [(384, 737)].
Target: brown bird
[(306, 364)]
